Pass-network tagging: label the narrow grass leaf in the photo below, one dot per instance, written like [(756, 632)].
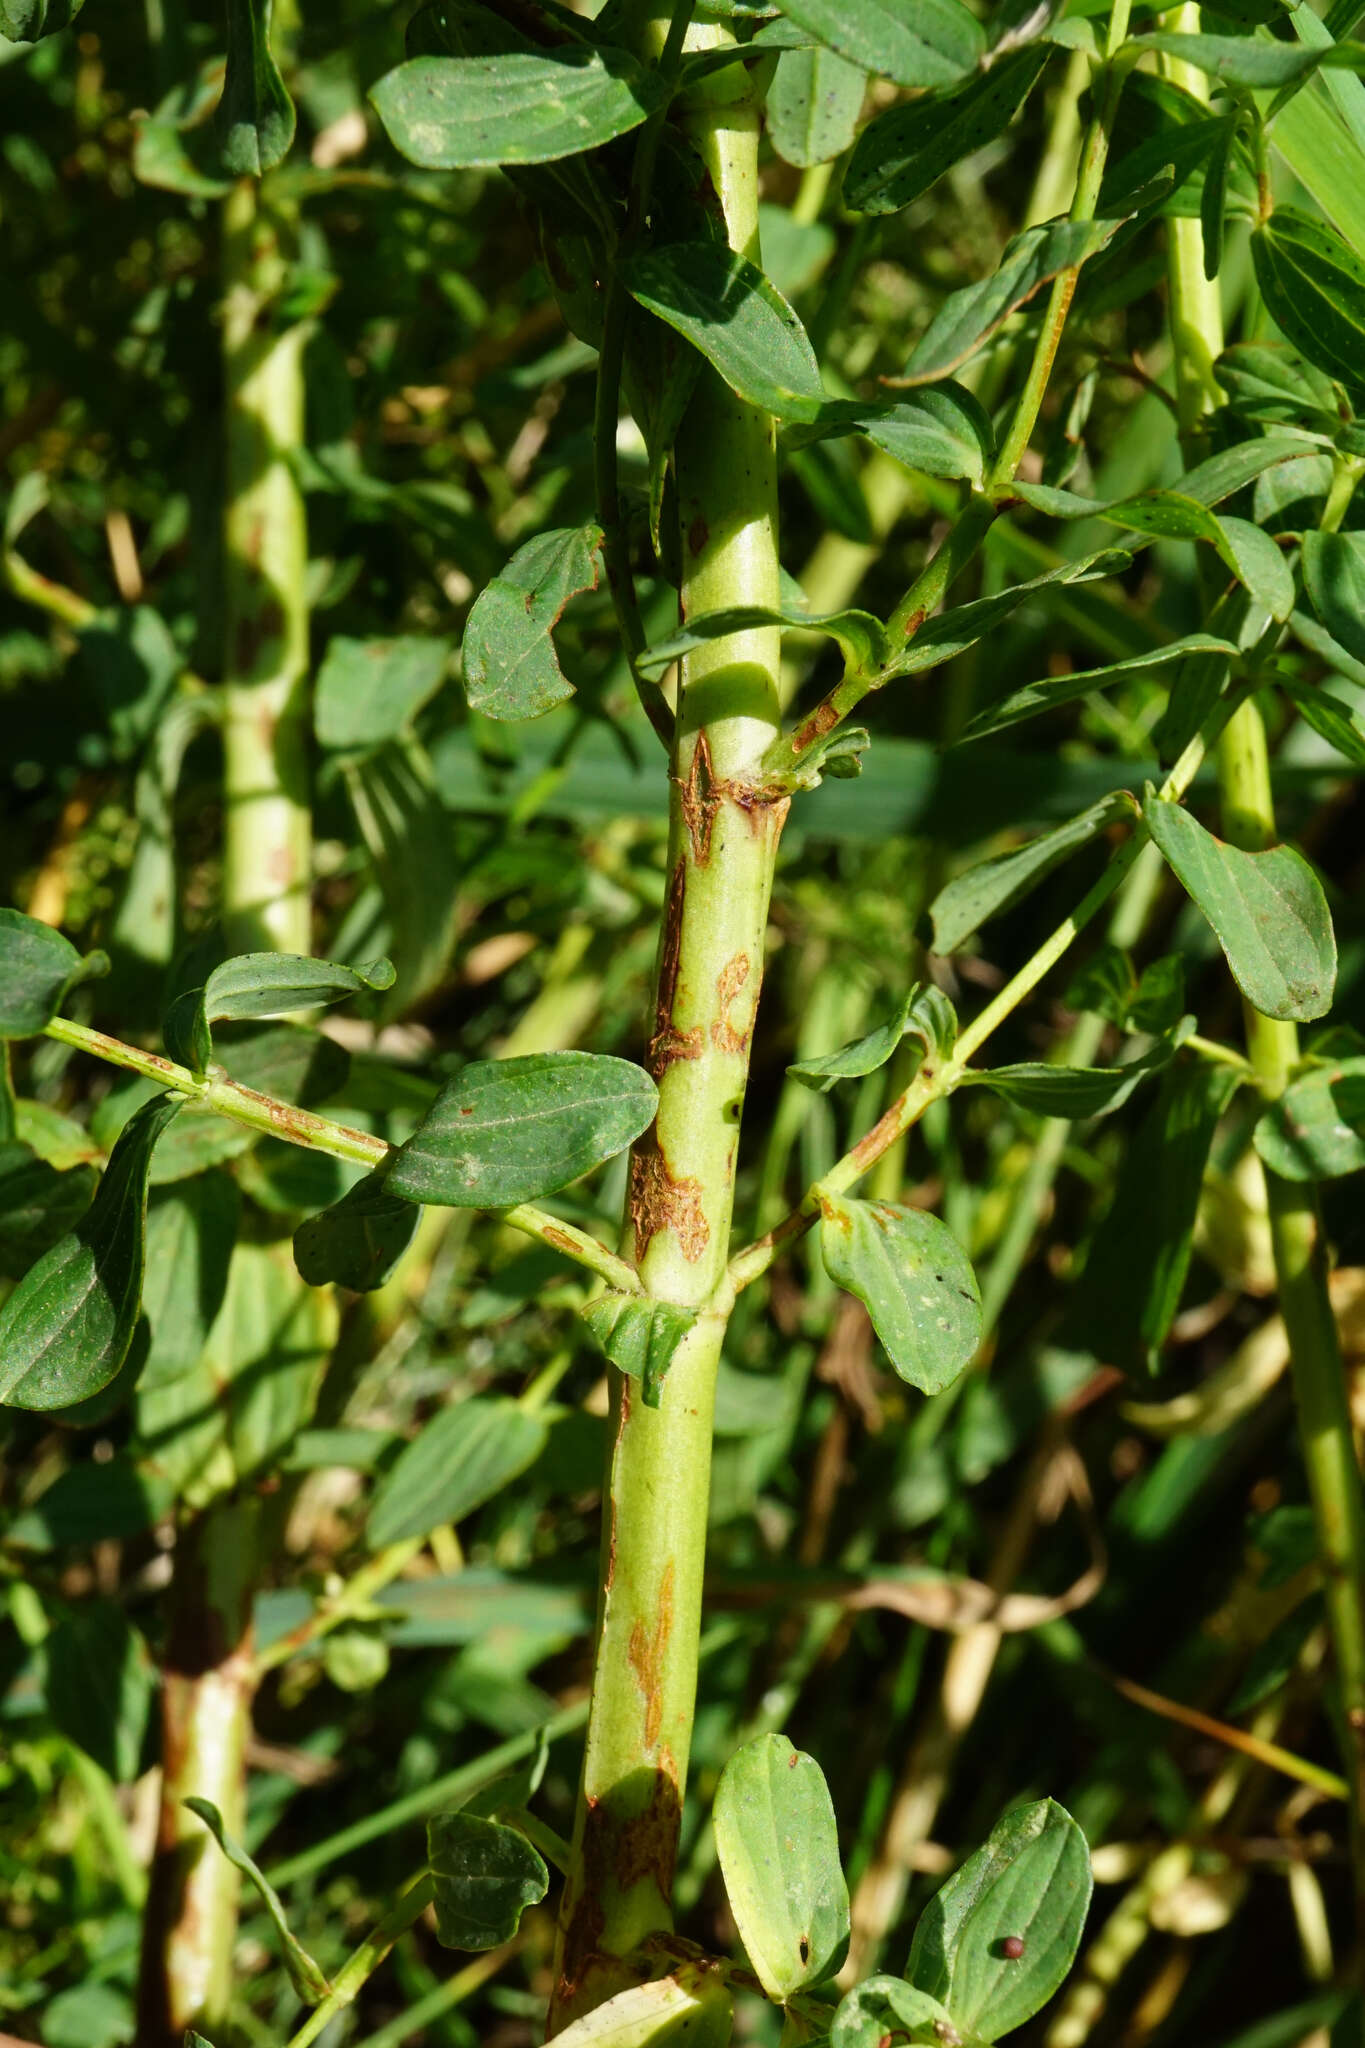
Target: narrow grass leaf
[(1035, 698), (1267, 909), (511, 669), (521, 107), (304, 1974), (456, 1462), (913, 1278), (67, 1327), (778, 1847), (1029, 1883), (486, 1875), (640, 1336), (983, 891)]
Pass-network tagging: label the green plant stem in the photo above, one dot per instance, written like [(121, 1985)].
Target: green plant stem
[(723, 835), (276, 1119), (207, 1682), (354, 1599), (267, 830), (362, 1965), (442, 1998)]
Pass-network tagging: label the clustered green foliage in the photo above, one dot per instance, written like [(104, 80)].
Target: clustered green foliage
[(1026, 1054)]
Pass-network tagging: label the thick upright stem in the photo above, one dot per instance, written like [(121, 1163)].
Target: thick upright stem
[(267, 842), (723, 838), (206, 1688)]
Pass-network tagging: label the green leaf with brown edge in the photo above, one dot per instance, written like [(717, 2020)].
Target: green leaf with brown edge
[(1268, 910), (259, 985), (913, 1278), (307, 1978), (520, 107), (778, 1847), (905, 151), (923, 43), (640, 1336), (1334, 577), (925, 1014), (511, 669), (37, 968), (1313, 284), (461, 1458), (66, 1328), (507, 1131), (357, 1241), (254, 122), (1316, 1130), (1028, 1884), (981, 892), (368, 690), (969, 317), (486, 1875), (1034, 698), (1130, 1289)]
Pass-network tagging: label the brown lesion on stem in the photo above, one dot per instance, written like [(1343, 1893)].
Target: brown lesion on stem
[(700, 800), (667, 1043), (630, 1839), (656, 1201), (648, 1650), (727, 1036)]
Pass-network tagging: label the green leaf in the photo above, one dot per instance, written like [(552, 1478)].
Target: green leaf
[(410, 840), (25, 21), (969, 317), (261, 985), (1314, 287), (506, 1131), (812, 106), (1268, 910), (1339, 723), (1034, 698), (953, 632), (358, 1241), (66, 1328), (983, 891), (1075, 1092), (726, 307), (925, 1014), (882, 2006), (461, 1458), (38, 1204), (191, 1229), (778, 1847), (1316, 1130), (254, 123), (1265, 381), (691, 2004), (524, 107), (1334, 576), (1031, 1880), (368, 690), (486, 1876), (1213, 201), (1249, 60), (511, 669), (1250, 554), (640, 1336), (304, 1974), (901, 154), (913, 1278), (916, 42), (1130, 1289), (942, 431), (100, 1684), (37, 968), (861, 638)]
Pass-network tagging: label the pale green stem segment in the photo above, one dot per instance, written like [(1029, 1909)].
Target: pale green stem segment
[(207, 1682), (1296, 1233), (356, 1971), (723, 835), (276, 1119), (267, 837)]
